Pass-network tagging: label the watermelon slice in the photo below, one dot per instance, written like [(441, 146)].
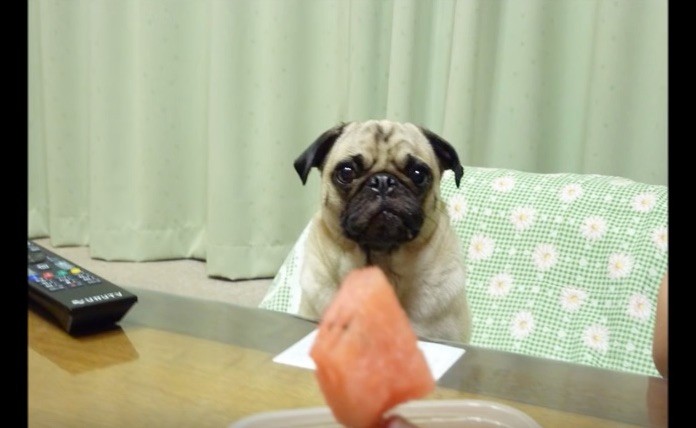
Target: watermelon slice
[(366, 353)]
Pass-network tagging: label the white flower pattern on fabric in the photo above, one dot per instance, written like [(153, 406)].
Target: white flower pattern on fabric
[(659, 238), (456, 207), (644, 202), (593, 228), (639, 307), (596, 337), (522, 325), (503, 184), (570, 192), (523, 217), (545, 256), (572, 298), (481, 247), (620, 265), (500, 285), (590, 287)]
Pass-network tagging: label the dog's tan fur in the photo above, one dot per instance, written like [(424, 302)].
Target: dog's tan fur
[(427, 272)]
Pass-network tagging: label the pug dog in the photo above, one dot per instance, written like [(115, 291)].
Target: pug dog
[(380, 205)]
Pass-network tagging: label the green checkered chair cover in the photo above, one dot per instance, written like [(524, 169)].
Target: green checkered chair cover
[(560, 266)]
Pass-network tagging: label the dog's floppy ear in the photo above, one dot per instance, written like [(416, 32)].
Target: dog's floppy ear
[(445, 153), (315, 154)]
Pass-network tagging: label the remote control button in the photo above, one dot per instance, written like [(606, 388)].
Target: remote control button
[(70, 281), (51, 285), (89, 279), (42, 266), (62, 264), (35, 257)]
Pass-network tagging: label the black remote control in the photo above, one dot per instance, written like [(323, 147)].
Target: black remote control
[(80, 301)]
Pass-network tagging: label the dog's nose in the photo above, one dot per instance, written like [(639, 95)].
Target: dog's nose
[(382, 183)]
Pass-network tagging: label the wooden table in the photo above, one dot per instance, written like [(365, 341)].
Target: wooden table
[(182, 362)]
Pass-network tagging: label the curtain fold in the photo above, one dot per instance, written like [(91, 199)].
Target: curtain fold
[(167, 129)]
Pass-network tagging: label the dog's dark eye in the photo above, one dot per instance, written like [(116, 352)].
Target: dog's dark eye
[(418, 175), (345, 174)]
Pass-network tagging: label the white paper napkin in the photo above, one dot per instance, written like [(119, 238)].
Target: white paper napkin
[(439, 357)]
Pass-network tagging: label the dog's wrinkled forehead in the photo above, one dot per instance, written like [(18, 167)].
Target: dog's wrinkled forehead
[(383, 144)]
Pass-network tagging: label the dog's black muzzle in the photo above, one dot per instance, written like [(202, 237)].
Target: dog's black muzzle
[(383, 214)]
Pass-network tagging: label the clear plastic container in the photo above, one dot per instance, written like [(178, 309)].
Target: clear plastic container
[(424, 414)]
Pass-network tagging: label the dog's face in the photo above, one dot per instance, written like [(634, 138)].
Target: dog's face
[(380, 180)]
